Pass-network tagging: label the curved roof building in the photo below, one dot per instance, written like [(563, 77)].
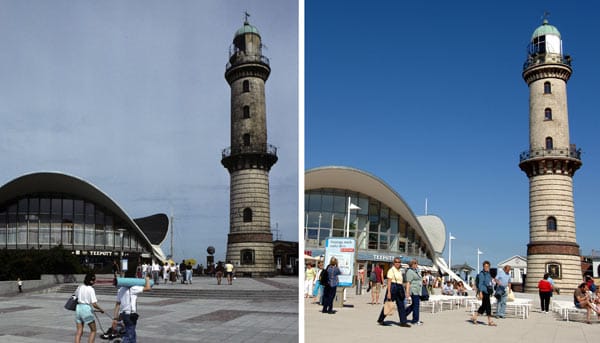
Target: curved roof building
[(46, 209), (383, 227)]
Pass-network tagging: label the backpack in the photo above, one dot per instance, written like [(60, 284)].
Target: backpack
[(324, 278), (373, 276)]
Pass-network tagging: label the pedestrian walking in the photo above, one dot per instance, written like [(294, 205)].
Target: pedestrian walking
[(415, 281), (84, 312), (332, 272), (126, 309), (502, 287), (396, 291), (484, 291)]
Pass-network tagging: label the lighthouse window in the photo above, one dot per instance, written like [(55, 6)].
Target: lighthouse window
[(246, 112), (551, 224), (247, 256), (246, 139), (247, 215), (549, 144), (246, 86), (548, 114), (538, 45), (547, 88)]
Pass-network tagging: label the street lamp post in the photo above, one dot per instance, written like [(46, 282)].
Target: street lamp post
[(351, 206), (450, 239), (121, 231), (479, 252)]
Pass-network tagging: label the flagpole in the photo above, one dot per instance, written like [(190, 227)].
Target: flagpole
[(450, 251), (351, 206), (450, 238)]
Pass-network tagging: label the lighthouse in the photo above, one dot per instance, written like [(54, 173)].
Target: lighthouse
[(550, 164), (249, 158)]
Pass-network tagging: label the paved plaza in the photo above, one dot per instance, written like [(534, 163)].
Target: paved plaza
[(356, 322), (39, 316)]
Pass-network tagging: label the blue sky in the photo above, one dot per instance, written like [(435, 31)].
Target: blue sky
[(429, 97), (130, 96)]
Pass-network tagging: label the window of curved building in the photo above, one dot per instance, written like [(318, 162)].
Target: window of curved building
[(548, 114), (246, 139), (42, 221), (246, 112), (246, 86), (376, 227), (547, 87)]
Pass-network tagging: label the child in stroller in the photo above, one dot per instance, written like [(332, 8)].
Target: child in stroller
[(112, 335)]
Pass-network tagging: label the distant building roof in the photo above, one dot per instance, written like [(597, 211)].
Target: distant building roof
[(515, 261), (463, 266)]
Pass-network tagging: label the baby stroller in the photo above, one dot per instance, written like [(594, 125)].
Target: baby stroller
[(113, 336)]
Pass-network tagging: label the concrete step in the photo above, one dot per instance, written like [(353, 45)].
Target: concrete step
[(278, 294)]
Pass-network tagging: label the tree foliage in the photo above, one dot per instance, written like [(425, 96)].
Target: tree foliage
[(30, 264)]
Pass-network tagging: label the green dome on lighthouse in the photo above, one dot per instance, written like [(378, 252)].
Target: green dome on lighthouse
[(247, 28), (545, 29)]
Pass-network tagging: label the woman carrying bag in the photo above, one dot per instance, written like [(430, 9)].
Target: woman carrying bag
[(86, 303), (396, 291)]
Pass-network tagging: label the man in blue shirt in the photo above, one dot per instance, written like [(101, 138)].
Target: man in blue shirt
[(503, 285)]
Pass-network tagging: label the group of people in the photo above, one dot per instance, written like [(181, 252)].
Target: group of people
[(453, 287), (587, 296), (125, 309), (177, 272), (399, 290), (321, 283), (488, 286), (173, 272)]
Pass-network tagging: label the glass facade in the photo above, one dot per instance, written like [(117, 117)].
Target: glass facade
[(42, 221), (376, 227)]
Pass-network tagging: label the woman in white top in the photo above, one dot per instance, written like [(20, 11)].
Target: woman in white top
[(166, 272), (84, 313)]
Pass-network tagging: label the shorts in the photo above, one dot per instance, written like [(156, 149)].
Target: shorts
[(228, 274), (377, 287), (84, 314)]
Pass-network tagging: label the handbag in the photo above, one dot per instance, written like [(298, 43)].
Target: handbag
[(388, 308), (71, 304), (510, 296), (398, 288)]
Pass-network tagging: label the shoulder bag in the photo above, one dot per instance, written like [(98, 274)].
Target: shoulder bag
[(71, 303)]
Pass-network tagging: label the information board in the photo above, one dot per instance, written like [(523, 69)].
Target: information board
[(344, 250)]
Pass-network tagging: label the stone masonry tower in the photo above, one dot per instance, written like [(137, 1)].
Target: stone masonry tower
[(550, 164), (249, 158)]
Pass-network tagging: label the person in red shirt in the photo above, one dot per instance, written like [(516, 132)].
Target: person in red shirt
[(376, 286), (545, 288)]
